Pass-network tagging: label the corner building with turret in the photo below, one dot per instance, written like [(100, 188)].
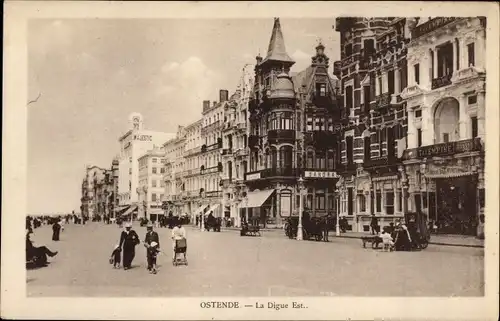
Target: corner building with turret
[(291, 130)]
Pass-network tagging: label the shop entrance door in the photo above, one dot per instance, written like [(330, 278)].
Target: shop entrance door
[(456, 205)]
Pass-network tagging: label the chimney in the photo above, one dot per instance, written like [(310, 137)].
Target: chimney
[(223, 95), (206, 105)]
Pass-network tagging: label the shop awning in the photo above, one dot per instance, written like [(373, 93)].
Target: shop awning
[(130, 210), (121, 208), (200, 209), (213, 208), (157, 211), (256, 199)]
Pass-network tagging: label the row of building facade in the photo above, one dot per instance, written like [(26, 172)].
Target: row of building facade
[(398, 127)]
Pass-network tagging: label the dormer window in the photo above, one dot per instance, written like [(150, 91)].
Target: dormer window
[(321, 89)]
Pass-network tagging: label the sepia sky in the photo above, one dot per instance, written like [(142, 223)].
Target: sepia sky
[(92, 73)]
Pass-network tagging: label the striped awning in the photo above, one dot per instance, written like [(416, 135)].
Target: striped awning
[(256, 199), (200, 209), (130, 210), (449, 175), (213, 208)]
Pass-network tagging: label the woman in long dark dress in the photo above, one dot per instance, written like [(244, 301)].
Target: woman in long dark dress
[(128, 240), (56, 230), (403, 240)]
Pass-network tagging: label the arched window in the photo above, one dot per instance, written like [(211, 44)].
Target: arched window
[(446, 121), (267, 159)]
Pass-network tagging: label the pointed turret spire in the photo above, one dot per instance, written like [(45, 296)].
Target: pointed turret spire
[(277, 50)]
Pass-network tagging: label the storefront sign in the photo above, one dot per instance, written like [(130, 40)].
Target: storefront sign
[(445, 171), (445, 149), (143, 138), (317, 174), (253, 176)]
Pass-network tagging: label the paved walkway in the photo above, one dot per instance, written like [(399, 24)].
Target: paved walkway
[(225, 264), (445, 240)]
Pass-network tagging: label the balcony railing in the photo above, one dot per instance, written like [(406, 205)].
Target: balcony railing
[(241, 152), (281, 134), (213, 125), (444, 149), (383, 101), (212, 194), (205, 148), (227, 151), (272, 172), (431, 25), (441, 81), (349, 60)]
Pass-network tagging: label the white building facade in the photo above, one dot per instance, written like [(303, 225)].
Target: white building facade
[(151, 187), (444, 162), (133, 144)]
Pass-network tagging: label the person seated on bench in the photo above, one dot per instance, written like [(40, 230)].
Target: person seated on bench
[(37, 253)]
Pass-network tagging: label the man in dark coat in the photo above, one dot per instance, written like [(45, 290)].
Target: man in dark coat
[(151, 236), (374, 225), (325, 226), (128, 241), (56, 229)]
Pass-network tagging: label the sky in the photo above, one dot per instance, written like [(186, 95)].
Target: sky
[(90, 74)]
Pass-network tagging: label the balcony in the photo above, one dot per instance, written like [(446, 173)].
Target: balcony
[(383, 101), (241, 152), (281, 135), (209, 148), (253, 141), (272, 172), (227, 151), (210, 170), (211, 127), (445, 149), (349, 60), (431, 25), (441, 81), (213, 194)]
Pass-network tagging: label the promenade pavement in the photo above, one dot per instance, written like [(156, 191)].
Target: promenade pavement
[(225, 264)]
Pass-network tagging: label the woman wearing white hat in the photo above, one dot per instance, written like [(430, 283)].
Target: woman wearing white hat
[(128, 240)]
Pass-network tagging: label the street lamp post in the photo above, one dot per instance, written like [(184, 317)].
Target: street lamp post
[(300, 237), (203, 214), (337, 225)]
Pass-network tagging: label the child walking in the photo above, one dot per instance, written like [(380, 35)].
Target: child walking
[(116, 257), (152, 254)]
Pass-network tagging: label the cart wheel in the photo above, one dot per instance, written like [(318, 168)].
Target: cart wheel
[(424, 244), (375, 245)]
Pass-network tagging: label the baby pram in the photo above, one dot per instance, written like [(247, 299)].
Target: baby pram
[(180, 250)]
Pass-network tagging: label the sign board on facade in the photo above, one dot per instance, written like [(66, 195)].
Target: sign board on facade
[(445, 149), (318, 174), (143, 138), (253, 176)]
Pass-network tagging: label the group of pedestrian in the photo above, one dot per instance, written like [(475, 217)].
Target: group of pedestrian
[(129, 239)]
